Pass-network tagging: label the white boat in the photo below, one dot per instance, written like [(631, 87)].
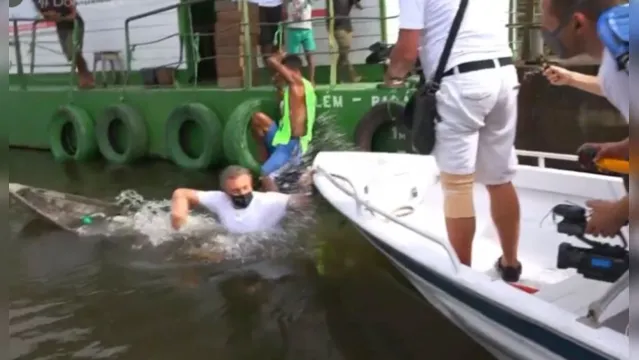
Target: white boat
[(396, 202)]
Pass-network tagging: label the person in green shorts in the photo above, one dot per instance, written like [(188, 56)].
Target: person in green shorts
[(299, 33), (283, 143)]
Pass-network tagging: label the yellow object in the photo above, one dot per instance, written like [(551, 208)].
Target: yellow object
[(458, 195), (614, 165)]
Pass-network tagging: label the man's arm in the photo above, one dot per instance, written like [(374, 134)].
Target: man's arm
[(588, 83), (275, 62), (268, 184), (185, 199), (181, 202), (405, 51)]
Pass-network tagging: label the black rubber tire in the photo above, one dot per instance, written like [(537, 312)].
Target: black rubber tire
[(209, 127), (72, 134), (236, 132), (381, 114), (136, 146)]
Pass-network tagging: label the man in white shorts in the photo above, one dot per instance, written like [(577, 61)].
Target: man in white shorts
[(574, 27), (238, 207), (477, 106)]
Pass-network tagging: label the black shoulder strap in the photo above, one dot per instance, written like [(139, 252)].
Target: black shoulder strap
[(454, 29)]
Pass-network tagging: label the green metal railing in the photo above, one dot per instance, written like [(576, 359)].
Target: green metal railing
[(32, 48), (523, 27), (192, 56)]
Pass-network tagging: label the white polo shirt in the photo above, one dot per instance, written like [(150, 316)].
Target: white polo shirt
[(483, 34), (615, 84), (264, 213)]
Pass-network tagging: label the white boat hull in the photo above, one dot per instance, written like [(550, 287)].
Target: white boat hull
[(500, 341)]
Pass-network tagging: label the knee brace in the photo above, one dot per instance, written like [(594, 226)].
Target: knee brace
[(458, 195)]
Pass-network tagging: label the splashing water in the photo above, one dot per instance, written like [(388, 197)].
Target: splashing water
[(326, 137), (203, 236)]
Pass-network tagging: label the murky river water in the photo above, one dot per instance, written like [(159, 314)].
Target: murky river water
[(100, 297)]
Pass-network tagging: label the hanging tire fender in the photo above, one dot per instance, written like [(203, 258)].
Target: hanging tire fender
[(120, 123), (238, 141), (183, 125), (72, 134), (380, 115)]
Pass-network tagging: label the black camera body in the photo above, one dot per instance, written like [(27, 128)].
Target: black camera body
[(603, 262)]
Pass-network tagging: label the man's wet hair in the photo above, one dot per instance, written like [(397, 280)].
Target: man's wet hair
[(293, 62), (591, 8), (232, 172)]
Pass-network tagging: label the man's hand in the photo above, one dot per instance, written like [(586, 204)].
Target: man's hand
[(611, 150), (178, 220), (392, 82), (607, 217), (279, 54), (558, 76)]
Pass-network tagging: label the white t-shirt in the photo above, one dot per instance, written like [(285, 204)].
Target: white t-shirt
[(300, 14), (615, 84), (482, 35), (265, 211)]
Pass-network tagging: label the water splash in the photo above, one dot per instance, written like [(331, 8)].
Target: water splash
[(327, 136), (203, 236)]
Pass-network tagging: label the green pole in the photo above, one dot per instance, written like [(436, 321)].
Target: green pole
[(246, 29), (186, 38), (16, 40), (383, 29)]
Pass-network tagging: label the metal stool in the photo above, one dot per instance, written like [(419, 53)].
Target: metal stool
[(116, 67)]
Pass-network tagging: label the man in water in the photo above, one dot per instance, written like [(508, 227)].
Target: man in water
[(477, 108), (66, 18), (571, 28), (238, 207), (284, 143)]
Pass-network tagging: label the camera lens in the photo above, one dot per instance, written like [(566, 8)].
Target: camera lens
[(563, 256)]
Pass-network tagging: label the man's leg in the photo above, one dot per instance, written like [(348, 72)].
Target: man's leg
[(65, 35), (293, 43), (344, 39), (496, 166), (263, 129), (266, 34), (462, 103), (308, 43), (281, 156)]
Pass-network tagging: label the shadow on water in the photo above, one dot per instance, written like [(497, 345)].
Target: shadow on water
[(95, 297)]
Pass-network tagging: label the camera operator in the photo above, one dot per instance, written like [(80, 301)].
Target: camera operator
[(574, 27)]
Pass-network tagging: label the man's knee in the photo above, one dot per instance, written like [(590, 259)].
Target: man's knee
[(260, 122), (458, 195)]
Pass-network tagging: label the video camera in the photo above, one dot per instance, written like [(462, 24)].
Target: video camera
[(603, 262), (380, 54)]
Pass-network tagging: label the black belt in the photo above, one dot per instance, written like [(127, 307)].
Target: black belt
[(479, 65)]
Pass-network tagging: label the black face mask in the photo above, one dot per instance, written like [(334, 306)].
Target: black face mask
[(241, 201)]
